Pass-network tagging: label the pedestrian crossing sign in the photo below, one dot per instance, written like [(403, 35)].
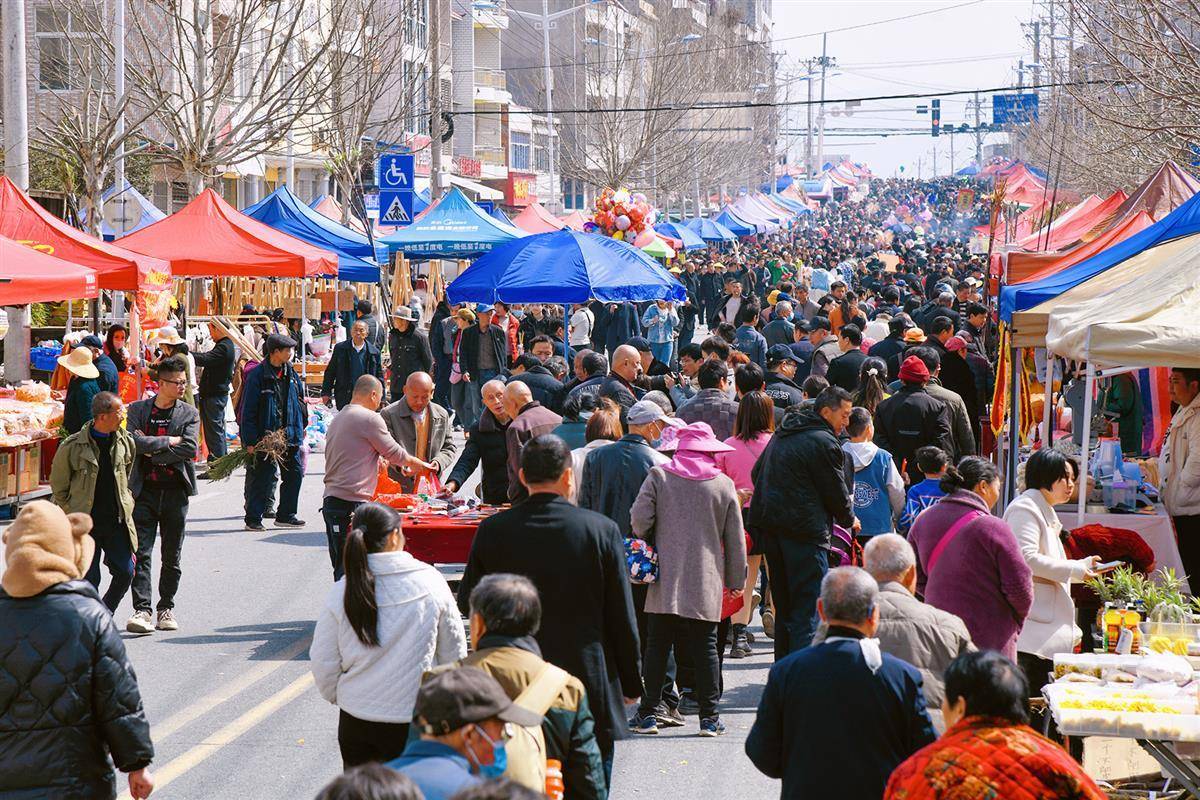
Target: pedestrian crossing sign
[(395, 207)]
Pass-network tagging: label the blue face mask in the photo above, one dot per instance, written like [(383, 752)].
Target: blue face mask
[(499, 757), (518, 314)]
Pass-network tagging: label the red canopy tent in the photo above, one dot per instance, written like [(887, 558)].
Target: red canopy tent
[(1073, 226), (1162, 192), (534, 218), (31, 276), (23, 220), (574, 221), (208, 237), (1025, 267)]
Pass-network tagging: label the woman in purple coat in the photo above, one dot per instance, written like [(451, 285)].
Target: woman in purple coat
[(969, 562)]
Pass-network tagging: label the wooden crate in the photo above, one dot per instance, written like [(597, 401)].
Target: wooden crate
[(293, 309), (22, 468)]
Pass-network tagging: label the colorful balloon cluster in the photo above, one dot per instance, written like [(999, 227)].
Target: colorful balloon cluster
[(625, 216)]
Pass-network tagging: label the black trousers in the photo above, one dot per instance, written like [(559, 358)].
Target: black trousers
[(159, 513), (670, 697), (362, 741), (1187, 533), (797, 569), (696, 637), (113, 549), (212, 420), (336, 512)]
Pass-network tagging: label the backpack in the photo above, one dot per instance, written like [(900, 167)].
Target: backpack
[(527, 749)]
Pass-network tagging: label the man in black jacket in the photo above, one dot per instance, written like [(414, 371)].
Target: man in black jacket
[(956, 373), (487, 444), (483, 350), (893, 344), (912, 418), (409, 349), (619, 386), (217, 367), (71, 698), (843, 370), (576, 559), (548, 391), (782, 364), (800, 490), (349, 361)]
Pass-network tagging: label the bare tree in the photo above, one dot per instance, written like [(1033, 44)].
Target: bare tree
[(377, 66)]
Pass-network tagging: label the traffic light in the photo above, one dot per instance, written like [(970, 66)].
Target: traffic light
[(935, 117)]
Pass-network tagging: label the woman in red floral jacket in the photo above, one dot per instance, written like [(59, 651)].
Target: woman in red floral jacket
[(988, 750)]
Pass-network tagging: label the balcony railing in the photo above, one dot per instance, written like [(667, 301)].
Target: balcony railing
[(491, 155), (492, 78)]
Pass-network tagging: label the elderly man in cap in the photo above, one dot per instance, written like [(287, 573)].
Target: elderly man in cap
[(349, 361), (465, 719), (104, 364), (483, 350), (83, 388), (408, 347), (422, 428), (781, 386), (273, 399)]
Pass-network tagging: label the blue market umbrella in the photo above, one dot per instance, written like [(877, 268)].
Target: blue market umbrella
[(710, 230), (691, 240), (564, 267)]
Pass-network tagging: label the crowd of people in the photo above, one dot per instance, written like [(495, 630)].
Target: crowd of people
[(818, 458)]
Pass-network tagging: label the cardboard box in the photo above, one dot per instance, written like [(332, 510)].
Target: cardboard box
[(340, 300), (7, 484), (292, 308)]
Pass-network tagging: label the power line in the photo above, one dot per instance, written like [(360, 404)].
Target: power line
[(784, 104)]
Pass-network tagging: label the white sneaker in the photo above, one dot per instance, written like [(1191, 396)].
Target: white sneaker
[(166, 620), (140, 622)]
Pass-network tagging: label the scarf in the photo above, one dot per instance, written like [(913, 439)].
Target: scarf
[(870, 647)]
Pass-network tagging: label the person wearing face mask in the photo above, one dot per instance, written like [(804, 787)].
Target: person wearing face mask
[(988, 743), (968, 560), (465, 719)]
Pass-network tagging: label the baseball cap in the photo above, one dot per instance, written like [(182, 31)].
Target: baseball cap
[(639, 343), (92, 340), (643, 412), (455, 698), (483, 308), (781, 352), (819, 324)]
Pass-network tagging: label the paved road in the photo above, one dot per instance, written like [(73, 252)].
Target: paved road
[(232, 707)]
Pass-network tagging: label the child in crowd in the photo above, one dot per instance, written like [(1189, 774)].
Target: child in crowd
[(932, 462), (878, 487)]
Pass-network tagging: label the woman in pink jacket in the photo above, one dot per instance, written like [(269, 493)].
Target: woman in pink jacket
[(752, 430)]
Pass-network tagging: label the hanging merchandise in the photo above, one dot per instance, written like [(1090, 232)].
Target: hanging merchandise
[(622, 215)]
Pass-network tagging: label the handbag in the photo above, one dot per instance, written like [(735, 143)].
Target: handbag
[(641, 559)]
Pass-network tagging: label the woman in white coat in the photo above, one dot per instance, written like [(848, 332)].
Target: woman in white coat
[(1050, 626), (386, 623)]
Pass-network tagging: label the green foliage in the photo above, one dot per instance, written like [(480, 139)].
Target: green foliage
[(1163, 589)]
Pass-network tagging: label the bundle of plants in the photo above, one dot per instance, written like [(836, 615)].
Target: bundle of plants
[(273, 446)]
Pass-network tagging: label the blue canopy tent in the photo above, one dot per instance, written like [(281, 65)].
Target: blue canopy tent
[(691, 240), (284, 211), (710, 230), (968, 170), (739, 228), (421, 201), (500, 216), (564, 267), (454, 227), (791, 205), (1183, 221), (146, 212)]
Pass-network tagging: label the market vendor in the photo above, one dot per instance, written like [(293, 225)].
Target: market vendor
[(1179, 486), (84, 386)]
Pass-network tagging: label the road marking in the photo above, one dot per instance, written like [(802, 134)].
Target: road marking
[(203, 705), (209, 747)]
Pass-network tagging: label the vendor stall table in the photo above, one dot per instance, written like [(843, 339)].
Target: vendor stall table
[(1155, 529), (441, 539)]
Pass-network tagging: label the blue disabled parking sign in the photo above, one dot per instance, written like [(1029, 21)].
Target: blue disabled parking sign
[(394, 176)]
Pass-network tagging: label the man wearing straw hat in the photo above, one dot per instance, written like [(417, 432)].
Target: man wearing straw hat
[(84, 386)]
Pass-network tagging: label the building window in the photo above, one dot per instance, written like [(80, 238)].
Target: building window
[(179, 195), (520, 158), (572, 194), (541, 152), (229, 191), (66, 60), (416, 25)]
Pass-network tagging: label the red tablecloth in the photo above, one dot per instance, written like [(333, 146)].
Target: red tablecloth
[(437, 539)]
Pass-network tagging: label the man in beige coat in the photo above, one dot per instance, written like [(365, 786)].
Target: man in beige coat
[(90, 475), (422, 428), (924, 636)]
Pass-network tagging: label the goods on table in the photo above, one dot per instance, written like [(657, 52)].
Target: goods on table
[(319, 417), (30, 414)]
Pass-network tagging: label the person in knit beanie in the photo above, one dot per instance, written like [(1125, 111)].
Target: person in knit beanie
[(69, 698)]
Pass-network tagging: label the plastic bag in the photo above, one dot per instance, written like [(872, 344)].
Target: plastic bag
[(1165, 668)]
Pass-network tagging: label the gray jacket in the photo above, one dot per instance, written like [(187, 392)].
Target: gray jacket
[(960, 420), (442, 448), (185, 423), (916, 632)]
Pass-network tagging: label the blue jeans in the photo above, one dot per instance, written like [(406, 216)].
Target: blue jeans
[(797, 569), (260, 479), (662, 351), (114, 549)]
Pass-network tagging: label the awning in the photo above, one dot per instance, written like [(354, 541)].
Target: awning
[(285, 212), (453, 227), (480, 191), (30, 276)]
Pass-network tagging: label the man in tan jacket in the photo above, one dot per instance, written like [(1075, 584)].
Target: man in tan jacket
[(422, 428), (90, 475)]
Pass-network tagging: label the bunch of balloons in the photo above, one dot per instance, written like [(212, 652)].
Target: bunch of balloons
[(625, 216)]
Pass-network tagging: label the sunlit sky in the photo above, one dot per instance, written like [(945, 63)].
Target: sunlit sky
[(971, 46)]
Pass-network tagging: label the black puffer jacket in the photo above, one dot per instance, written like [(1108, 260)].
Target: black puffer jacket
[(911, 419), (800, 486), (68, 697), (486, 443)]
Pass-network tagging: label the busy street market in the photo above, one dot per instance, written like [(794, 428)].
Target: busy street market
[(345, 455)]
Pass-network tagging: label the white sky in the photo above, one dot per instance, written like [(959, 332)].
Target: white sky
[(977, 46)]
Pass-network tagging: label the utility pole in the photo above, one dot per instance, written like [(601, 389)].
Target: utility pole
[(1037, 52), (935, 172), (16, 167), (435, 100), (978, 134), (821, 115), (951, 170)]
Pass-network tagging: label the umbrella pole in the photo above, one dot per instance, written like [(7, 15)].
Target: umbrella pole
[(303, 319), (567, 340)]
